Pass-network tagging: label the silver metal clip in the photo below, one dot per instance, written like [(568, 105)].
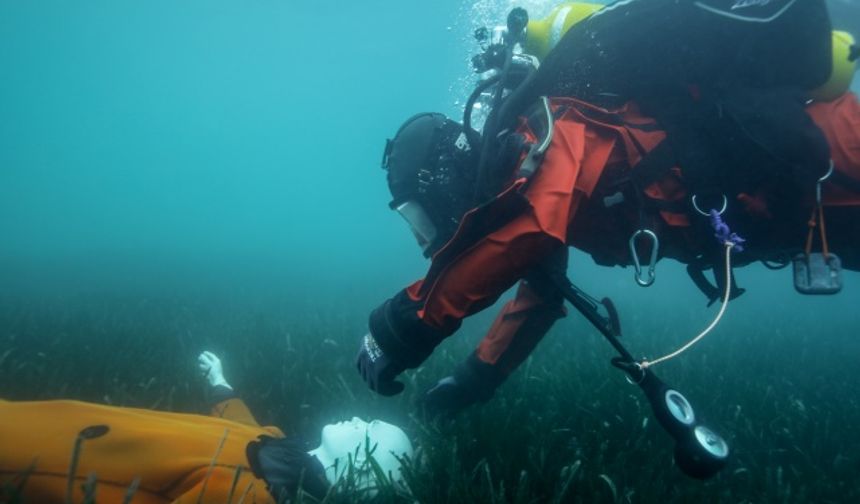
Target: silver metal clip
[(708, 214), (652, 263), (535, 155), (821, 182)]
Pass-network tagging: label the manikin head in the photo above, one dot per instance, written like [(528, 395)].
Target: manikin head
[(344, 446)]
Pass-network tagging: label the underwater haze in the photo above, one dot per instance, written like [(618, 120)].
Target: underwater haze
[(163, 145), (177, 176)]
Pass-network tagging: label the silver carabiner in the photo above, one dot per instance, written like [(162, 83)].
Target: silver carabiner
[(535, 154), (641, 370), (550, 125), (821, 182), (655, 245)]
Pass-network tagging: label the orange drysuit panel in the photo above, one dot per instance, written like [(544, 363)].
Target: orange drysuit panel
[(840, 121), (518, 329), (171, 453), (586, 140), (581, 146)]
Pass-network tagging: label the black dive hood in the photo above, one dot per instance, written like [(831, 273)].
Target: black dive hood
[(430, 162), (408, 153)]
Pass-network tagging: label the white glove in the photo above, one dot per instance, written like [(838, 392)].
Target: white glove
[(210, 367)]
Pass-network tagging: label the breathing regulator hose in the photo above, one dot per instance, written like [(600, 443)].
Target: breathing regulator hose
[(473, 136), (516, 24)]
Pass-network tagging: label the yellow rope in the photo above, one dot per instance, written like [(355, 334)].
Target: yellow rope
[(645, 364)]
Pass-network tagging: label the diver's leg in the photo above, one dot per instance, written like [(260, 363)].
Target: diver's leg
[(524, 321), (515, 333)]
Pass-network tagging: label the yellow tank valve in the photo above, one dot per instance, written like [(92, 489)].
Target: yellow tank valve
[(543, 34), (844, 66)]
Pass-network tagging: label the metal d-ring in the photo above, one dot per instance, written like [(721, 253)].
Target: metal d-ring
[(655, 245), (641, 370), (630, 366), (707, 214)]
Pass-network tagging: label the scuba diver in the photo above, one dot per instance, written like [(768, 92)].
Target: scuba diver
[(605, 178), (436, 158), (160, 457)]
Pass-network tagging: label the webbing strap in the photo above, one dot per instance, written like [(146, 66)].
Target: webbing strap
[(817, 219)]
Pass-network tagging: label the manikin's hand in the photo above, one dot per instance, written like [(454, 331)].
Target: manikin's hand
[(210, 367)]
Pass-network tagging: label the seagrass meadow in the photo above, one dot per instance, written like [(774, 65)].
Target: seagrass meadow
[(205, 175), (566, 427)]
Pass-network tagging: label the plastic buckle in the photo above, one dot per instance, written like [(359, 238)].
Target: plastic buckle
[(815, 275)]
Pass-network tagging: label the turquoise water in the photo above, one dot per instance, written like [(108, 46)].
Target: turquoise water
[(207, 140), (213, 142), (177, 176)]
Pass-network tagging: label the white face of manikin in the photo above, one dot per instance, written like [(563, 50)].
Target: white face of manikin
[(349, 441)]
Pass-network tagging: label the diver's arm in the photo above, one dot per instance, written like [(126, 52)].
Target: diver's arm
[(411, 324), (496, 245)]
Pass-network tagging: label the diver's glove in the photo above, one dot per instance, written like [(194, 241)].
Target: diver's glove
[(211, 369), (473, 381), (445, 399), (397, 340), (377, 369)]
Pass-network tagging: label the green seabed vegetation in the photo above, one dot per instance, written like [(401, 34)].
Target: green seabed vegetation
[(566, 427)]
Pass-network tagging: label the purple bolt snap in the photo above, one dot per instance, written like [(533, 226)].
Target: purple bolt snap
[(723, 233)]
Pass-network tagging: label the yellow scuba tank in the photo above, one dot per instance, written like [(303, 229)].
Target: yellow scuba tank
[(543, 34), (843, 69)]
